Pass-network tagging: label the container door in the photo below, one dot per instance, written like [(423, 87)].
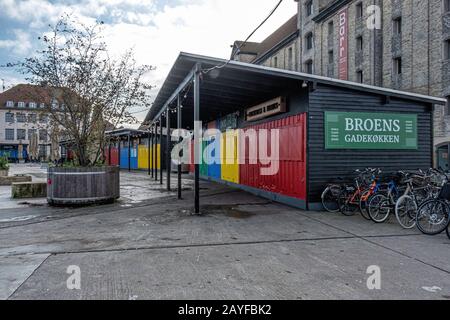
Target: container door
[(229, 156)]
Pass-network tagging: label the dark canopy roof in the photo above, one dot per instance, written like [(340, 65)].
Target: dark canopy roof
[(240, 85)]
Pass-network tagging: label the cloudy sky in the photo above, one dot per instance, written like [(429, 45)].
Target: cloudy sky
[(157, 29)]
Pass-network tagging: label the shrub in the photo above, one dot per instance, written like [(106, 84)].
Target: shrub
[(4, 163)]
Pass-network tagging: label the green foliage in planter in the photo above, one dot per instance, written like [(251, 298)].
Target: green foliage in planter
[(4, 163)]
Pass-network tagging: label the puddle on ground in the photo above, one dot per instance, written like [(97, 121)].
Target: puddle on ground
[(228, 210), (31, 204), (18, 219)]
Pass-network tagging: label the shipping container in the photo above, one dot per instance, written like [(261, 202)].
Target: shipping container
[(143, 157), (214, 170), (229, 156), (290, 176)]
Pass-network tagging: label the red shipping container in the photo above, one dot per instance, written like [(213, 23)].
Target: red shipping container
[(290, 180), (114, 156)]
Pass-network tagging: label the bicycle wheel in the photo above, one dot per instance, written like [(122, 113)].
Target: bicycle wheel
[(448, 231), (346, 207), (330, 200), (379, 208), (433, 217), (406, 212), (363, 204)]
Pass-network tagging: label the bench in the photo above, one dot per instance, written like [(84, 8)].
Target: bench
[(7, 181), (21, 190)]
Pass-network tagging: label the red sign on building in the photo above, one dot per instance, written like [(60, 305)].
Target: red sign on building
[(343, 44)]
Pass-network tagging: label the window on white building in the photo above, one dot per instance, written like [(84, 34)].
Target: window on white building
[(32, 105), (9, 134), (275, 62), (42, 105), (21, 104), (21, 118), (21, 134), (43, 118), (10, 104), (32, 117), (9, 117), (31, 132), (43, 136)]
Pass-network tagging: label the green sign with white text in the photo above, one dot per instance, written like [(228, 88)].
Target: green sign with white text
[(374, 131)]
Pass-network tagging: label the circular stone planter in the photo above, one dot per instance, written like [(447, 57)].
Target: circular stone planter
[(82, 186)]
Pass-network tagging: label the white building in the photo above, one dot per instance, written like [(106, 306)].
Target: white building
[(22, 113)]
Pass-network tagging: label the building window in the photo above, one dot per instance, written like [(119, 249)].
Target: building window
[(42, 105), (359, 43), (32, 105), (21, 104), (31, 132), (330, 29), (21, 134), (275, 62), (330, 57), (9, 117), (290, 59), (32, 117), (10, 104), (43, 135), (398, 25), (43, 118), (446, 5), (9, 134), (309, 67), (447, 49), (359, 11), (309, 41), (309, 8), (398, 66), (21, 118), (359, 76)]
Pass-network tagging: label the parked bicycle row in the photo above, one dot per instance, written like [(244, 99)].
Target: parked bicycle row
[(417, 198)]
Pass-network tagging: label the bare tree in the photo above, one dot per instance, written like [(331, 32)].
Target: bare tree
[(89, 89)]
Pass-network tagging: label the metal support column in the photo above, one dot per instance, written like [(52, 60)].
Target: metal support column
[(179, 118), (155, 154), (148, 152), (151, 151), (197, 132), (129, 153), (161, 150), (168, 161)]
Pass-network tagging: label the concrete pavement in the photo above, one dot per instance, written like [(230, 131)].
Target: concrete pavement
[(242, 247)]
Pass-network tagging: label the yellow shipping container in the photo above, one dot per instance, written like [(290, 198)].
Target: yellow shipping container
[(229, 156), (143, 157)]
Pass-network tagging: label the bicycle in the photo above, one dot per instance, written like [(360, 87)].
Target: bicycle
[(408, 204), (330, 197), (433, 215), (381, 204), (349, 198)]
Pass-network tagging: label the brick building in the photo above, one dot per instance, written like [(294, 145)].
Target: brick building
[(399, 44)]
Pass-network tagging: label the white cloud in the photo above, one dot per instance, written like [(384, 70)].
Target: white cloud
[(21, 44), (206, 27)]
